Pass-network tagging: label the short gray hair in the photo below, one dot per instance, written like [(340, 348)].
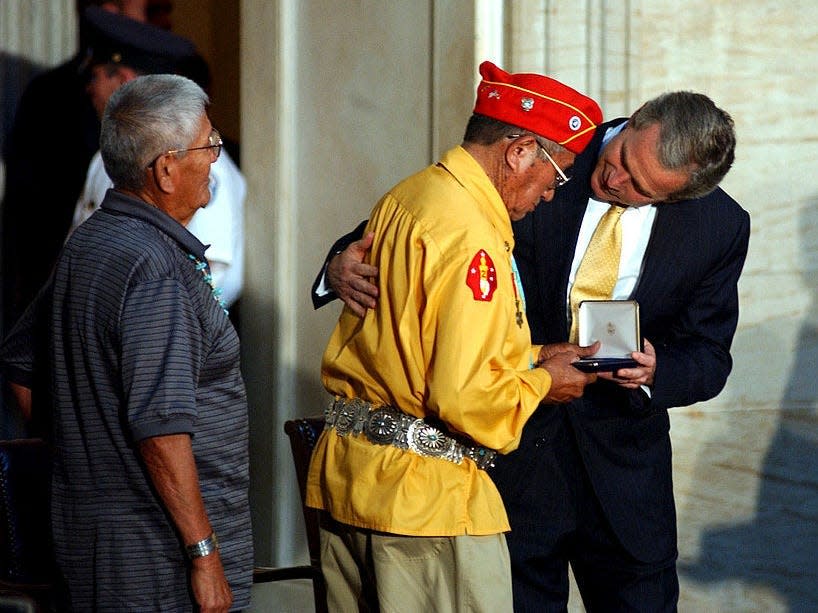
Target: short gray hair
[(694, 134), (144, 118)]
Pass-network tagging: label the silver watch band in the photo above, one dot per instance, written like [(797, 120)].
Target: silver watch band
[(203, 548)]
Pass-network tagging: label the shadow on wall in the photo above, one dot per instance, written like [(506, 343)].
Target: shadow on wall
[(274, 495), (278, 525), (312, 398), (777, 549)]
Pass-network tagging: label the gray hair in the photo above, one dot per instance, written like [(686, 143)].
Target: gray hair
[(483, 130), (695, 135), (144, 118)]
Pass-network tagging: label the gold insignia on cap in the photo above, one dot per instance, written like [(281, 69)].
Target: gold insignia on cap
[(116, 58), (527, 104)]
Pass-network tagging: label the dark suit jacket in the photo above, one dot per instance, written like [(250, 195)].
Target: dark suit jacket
[(689, 310)]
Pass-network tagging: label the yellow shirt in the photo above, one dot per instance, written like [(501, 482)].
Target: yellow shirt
[(444, 340)]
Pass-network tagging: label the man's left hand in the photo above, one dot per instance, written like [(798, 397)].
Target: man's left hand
[(548, 351), (634, 378)]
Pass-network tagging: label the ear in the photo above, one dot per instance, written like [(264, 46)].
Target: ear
[(125, 74), (521, 153), (164, 173)]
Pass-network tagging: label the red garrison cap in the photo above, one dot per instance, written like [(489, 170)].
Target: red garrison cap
[(539, 104)]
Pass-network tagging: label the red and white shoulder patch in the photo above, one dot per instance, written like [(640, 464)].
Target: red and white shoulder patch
[(481, 276)]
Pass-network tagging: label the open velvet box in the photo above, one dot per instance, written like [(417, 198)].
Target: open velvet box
[(615, 324)]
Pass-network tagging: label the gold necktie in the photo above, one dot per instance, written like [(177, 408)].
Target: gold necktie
[(599, 268)]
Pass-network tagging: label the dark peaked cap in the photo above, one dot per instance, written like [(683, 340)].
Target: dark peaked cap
[(114, 39)]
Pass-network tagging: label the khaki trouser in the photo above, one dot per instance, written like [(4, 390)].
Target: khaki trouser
[(373, 571)]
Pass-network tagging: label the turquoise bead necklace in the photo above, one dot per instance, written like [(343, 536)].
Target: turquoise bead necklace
[(208, 278)]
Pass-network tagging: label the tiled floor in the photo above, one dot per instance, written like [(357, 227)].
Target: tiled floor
[(282, 597)]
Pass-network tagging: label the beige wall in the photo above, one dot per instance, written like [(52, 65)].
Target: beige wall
[(339, 101), (746, 463)]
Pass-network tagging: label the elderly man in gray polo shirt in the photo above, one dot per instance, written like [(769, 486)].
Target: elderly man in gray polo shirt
[(149, 410)]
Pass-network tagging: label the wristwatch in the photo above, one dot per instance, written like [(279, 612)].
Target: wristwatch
[(203, 548)]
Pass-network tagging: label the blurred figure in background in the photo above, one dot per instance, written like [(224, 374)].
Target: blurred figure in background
[(122, 49), (53, 111)]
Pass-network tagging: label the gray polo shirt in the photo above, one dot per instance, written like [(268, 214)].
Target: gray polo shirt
[(141, 348)]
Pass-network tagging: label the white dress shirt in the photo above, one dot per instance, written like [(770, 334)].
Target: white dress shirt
[(636, 222)]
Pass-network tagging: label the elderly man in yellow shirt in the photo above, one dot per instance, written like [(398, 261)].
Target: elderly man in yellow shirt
[(441, 376)]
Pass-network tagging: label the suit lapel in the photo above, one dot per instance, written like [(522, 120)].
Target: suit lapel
[(666, 253)]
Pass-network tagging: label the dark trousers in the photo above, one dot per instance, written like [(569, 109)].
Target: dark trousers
[(556, 519)]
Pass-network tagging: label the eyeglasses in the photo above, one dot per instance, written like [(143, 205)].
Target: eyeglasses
[(561, 178), (214, 142)]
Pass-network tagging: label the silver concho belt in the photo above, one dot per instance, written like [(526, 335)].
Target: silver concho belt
[(388, 425)]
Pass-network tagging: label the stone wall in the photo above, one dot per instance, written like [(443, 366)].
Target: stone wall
[(746, 463)]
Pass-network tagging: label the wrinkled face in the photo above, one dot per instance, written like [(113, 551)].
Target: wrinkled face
[(534, 179), (629, 172), (104, 81), (193, 187)]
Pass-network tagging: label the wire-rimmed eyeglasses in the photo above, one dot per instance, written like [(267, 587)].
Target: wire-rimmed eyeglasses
[(561, 178), (214, 142)]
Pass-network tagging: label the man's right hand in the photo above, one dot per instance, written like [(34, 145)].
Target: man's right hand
[(567, 382), (349, 277), (210, 588)]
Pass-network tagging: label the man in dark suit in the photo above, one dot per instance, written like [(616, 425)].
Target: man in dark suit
[(591, 482)]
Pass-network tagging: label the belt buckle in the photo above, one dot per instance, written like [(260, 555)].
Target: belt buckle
[(427, 440)]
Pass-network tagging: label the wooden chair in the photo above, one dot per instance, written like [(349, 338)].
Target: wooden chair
[(303, 435)]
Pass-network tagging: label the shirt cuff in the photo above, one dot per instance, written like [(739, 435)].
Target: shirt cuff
[(177, 425)]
